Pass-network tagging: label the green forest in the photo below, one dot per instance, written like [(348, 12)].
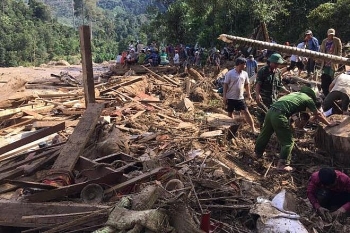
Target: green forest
[(33, 32)]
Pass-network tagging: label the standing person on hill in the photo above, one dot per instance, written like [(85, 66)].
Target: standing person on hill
[(297, 61), (277, 120), (236, 80), (252, 68), (176, 58), (311, 44), (269, 84), (330, 45)]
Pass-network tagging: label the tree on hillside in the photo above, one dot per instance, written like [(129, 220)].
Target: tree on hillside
[(331, 15), (40, 10)]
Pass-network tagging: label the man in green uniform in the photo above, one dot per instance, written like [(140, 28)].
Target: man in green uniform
[(276, 120), (268, 84)]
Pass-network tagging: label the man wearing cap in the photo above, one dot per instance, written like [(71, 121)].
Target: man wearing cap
[(329, 191), (252, 68), (330, 45), (311, 44), (277, 120), (268, 84), (236, 80)]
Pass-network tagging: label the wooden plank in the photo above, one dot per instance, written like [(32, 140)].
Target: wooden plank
[(211, 134), (169, 118), (44, 124), (30, 184), (132, 181), (88, 75), (137, 114), (160, 77), (33, 137), (11, 174), (33, 151), (12, 212), (27, 161), (37, 116), (17, 125), (126, 83), (63, 192), (4, 114), (76, 143)]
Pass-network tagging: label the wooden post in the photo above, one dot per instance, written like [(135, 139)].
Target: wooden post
[(88, 76)]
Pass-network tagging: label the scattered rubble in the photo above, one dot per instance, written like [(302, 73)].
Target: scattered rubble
[(156, 151)]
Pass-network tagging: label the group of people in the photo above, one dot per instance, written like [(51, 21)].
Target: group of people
[(154, 55), (328, 189)]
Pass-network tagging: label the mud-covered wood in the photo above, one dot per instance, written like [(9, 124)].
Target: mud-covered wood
[(336, 141)]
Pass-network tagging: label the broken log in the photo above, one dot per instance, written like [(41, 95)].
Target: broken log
[(335, 141), (284, 49), (195, 74)]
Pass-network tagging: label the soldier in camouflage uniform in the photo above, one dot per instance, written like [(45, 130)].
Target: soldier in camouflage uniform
[(268, 84)]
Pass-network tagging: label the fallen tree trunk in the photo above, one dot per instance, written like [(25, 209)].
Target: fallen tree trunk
[(284, 49)]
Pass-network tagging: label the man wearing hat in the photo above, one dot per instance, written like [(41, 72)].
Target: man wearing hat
[(330, 45), (277, 120), (268, 84), (311, 44), (329, 191), (236, 80)]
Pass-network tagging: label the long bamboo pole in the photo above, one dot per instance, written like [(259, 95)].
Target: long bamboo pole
[(284, 49)]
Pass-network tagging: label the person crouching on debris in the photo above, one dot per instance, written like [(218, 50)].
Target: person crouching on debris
[(329, 193), (339, 90), (277, 120), (236, 80)]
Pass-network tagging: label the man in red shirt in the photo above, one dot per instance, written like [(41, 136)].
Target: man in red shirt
[(329, 190)]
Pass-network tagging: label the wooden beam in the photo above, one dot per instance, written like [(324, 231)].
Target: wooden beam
[(25, 122), (126, 83), (32, 151), (27, 161), (88, 76), (37, 116), (31, 138), (44, 124), (76, 143), (132, 181), (12, 212)]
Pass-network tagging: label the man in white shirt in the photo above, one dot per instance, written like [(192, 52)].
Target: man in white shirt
[(236, 80), (297, 61), (339, 90), (176, 58)]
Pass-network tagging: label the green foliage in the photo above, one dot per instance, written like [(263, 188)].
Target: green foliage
[(29, 36), (332, 15)]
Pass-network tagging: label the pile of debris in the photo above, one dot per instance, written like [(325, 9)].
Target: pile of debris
[(156, 152)]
